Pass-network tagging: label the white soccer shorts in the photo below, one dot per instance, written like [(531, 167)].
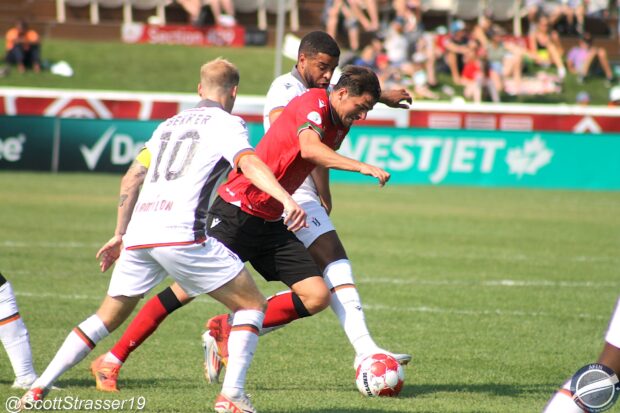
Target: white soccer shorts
[(318, 223), (198, 268), (613, 332)]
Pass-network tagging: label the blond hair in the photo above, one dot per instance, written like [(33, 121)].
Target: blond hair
[(219, 75)]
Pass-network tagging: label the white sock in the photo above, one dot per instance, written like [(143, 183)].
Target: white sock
[(561, 402), (241, 346), (111, 358), (346, 304), (78, 344), (14, 335)]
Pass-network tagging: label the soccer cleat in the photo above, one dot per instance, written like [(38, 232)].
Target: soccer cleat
[(28, 400), (224, 404), (213, 363), (403, 359), (219, 328), (106, 374), (24, 383)]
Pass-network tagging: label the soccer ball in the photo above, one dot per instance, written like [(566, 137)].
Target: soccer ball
[(379, 375)]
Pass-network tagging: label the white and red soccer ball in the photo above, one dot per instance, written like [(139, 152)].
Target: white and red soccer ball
[(379, 375)]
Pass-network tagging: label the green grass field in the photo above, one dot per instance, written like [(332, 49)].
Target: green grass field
[(165, 68), (500, 294)]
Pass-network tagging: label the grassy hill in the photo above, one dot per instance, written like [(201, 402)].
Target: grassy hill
[(164, 68)]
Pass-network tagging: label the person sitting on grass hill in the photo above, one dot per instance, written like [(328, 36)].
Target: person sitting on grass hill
[(581, 59), (23, 47)]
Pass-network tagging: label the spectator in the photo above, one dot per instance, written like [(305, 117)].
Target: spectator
[(456, 48), (568, 17), (23, 47), (545, 48), (370, 52), (472, 76), (409, 12), (597, 10), (426, 47), (197, 11), (355, 13), (504, 60), (420, 77), (389, 77), (537, 8), (396, 44), (483, 30), (581, 57)]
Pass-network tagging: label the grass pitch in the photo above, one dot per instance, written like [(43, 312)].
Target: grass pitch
[(499, 294)]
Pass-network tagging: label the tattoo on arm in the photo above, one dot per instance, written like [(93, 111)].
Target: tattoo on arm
[(122, 200)]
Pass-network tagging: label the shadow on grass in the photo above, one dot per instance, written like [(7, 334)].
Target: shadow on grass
[(345, 410), (510, 390)]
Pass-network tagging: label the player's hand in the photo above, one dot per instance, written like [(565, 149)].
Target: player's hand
[(380, 174), (294, 216), (396, 98), (109, 253)]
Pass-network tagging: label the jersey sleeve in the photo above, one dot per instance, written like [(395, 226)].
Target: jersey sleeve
[(236, 142), (312, 115), (279, 95)]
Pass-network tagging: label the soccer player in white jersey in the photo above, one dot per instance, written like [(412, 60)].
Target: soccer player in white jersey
[(562, 400), (15, 338), (161, 229)]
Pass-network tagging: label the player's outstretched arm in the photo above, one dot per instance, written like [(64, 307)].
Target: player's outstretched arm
[(396, 98), (262, 177), (130, 189), (313, 150)]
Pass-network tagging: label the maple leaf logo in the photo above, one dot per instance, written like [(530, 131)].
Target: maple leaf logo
[(530, 158)]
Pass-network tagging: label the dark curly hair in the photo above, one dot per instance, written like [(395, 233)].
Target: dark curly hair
[(318, 42)]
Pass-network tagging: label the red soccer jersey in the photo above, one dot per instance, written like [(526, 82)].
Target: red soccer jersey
[(281, 151)]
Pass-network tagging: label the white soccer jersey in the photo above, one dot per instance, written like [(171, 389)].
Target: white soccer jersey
[(188, 153), (282, 90)]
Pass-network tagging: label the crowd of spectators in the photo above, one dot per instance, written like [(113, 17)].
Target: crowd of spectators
[(483, 59)]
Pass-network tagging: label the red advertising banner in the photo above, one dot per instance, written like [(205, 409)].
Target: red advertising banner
[(158, 106), (591, 123), (184, 35)]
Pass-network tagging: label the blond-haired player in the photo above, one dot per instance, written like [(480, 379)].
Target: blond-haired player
[(161, 231)]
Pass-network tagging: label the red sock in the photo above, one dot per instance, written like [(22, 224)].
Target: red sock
[(143, 325), (283, 308)]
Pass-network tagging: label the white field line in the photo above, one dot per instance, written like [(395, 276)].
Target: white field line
[(492, 283), (367, 307), (469, 256), (438, 255), (49, 244), (477, 313)]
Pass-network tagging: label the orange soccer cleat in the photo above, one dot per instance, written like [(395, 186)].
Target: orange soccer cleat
[(106, 374)]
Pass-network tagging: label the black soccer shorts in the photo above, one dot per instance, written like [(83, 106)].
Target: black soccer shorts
[(273, 250)]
